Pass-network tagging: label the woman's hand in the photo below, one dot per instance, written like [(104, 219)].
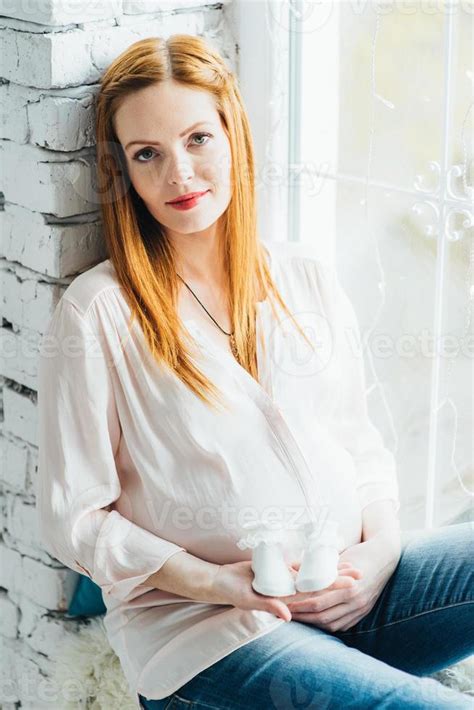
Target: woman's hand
[(232, 584), (339, 609)]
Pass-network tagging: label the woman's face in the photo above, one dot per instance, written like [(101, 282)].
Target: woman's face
[(174, 143)]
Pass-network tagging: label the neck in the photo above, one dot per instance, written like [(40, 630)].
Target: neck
[(199, 256)]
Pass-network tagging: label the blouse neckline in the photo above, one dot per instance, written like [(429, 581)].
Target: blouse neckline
[(252, 385), (217, 352)]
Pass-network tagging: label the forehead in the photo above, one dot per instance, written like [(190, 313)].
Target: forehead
[(164, 108)]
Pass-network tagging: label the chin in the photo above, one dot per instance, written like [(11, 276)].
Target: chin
[(193, 226), (193, 222)]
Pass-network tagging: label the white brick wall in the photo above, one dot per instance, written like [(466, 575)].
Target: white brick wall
[(52, 55)]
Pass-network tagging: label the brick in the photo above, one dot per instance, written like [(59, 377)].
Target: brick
[(76, 57), (62, 122), (54, 13), (20, 414), (50, 587), (32, 473), (30, 613), (9, 671), (47, 586), (10, 568), (57, 249), (14, 462), (20, 355), (49, 181), (27, 302), (28, 305), (58, 119), (32, 59), (49, 632), (25, 26), (22, 531), (136, 28), (13, 118), (25, 676), (9, 616)]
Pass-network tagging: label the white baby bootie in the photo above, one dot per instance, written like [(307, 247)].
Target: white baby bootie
[(318, 567), (272, 576)]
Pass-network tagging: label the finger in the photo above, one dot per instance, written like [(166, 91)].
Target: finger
[(337, 612), (341, 582), (321, 603), (353, 572), (349, 621), (284, 613), (346, 564), (279, 609), (325, 598)]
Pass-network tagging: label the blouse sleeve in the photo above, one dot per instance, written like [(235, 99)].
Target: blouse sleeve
[(375, 464), (78, 438)]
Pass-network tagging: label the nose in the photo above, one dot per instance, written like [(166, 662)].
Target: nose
[(180, 170)]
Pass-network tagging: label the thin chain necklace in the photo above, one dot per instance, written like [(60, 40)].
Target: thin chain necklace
[(233, 346)]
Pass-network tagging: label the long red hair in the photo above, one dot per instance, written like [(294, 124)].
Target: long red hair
[(135, 241)]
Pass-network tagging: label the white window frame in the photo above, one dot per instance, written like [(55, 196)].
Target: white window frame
[(262, 70)]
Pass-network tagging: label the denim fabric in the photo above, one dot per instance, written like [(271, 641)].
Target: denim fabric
[(422, 622)]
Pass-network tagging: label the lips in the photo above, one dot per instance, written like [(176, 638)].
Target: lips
[(187, 197)]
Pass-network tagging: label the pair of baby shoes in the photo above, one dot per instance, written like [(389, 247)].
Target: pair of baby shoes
[(272, 574)]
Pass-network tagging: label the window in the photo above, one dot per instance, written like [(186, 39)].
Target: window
[(362, 116)]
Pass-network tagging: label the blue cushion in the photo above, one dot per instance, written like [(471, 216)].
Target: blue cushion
[(87, 599)]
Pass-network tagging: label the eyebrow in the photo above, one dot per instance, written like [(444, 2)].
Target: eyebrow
[(138, 142)]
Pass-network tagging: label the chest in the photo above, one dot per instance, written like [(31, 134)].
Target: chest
[(215, 303)]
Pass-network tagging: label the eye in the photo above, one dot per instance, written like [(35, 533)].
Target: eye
[(205, 135), (140, 152), (145, 150)]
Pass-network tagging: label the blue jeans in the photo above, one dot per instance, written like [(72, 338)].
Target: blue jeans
[(422, 622)]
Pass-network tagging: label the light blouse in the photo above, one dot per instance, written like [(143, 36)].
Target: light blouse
[(134, 467)]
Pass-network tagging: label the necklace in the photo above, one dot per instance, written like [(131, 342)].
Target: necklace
[(233, 346)]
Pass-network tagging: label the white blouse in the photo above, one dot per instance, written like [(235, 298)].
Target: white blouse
[(134, 467)]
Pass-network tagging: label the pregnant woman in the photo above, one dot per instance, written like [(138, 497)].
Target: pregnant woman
[(201, 377)]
